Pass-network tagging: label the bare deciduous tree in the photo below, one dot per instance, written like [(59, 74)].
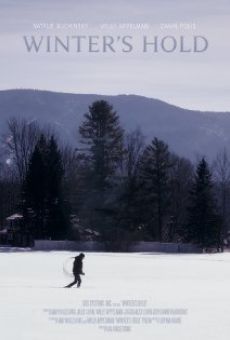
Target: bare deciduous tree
[(134, 148), (21, 140), (9, 188)]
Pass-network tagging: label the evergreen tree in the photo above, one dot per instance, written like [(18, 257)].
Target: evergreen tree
[(102, 134), (204, 226), (154, 174), (221, 169), (43, 190), (181, 177), (56, 210), (102, 137)]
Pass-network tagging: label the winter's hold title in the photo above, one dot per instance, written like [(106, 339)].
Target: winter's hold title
[(115, 44)]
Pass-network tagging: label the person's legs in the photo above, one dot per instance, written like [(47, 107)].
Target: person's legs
[(73, 283), (78, 280)]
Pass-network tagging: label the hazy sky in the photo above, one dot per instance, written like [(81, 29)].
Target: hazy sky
[(191, 80)]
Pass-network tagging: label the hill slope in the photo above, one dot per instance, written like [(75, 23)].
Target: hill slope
[(187, 132)]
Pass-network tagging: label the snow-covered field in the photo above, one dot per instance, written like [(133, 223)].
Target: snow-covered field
[(123, 296)]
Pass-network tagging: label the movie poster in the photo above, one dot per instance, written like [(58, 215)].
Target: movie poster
[(114, 170)]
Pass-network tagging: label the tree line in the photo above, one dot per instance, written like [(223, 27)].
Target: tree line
[(114, 182)]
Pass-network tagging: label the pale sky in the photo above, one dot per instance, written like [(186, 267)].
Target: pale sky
[(192, 80)]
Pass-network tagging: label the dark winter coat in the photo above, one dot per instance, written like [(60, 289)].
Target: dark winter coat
[(78, 265)]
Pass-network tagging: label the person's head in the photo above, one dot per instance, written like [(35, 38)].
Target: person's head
[(81, 255)]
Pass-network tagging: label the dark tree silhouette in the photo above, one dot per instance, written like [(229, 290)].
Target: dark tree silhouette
[(204, 225), (103, 136), (102, 140), (154, 173), (43, 190)]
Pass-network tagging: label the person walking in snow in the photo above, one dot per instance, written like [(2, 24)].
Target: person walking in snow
[(77, 270)]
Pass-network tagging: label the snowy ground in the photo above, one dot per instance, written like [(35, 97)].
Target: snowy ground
[(34, 306)]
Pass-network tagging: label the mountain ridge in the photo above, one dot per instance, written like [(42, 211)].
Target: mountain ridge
[(188, 132), (111, 95)]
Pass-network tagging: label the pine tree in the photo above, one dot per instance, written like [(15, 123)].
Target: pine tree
[(102, 138), (204, 226), (57, 220), (43, 190), (154, 173), (181, 176), (102, 134)]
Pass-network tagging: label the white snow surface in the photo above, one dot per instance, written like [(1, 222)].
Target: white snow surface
[(31, 287)]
